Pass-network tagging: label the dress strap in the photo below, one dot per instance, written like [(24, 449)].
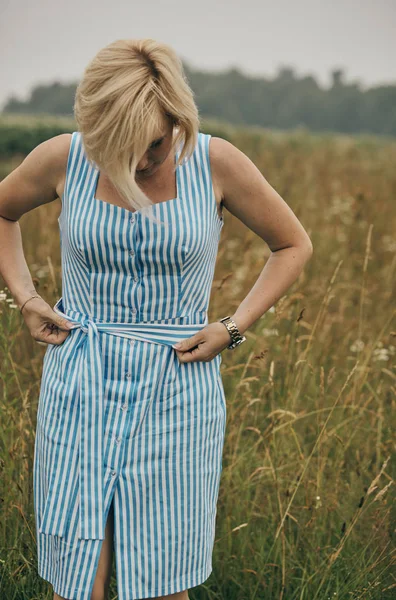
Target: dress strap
[(204, 145), (80, 176), (71, 173)]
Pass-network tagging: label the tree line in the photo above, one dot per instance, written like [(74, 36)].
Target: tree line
[(286, 101)]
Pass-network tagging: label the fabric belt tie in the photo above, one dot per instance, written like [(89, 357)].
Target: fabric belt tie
[(91, 467)]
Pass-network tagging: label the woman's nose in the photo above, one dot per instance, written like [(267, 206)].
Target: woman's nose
[(144, 163)]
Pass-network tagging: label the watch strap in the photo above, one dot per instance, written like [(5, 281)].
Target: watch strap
[(236, 337)]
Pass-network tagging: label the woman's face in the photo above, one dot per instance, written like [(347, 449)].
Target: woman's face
[(157, 152)]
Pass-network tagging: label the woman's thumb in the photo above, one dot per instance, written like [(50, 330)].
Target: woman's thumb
[(63, 323)]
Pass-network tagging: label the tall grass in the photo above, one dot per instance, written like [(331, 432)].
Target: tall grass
[(305, 506)]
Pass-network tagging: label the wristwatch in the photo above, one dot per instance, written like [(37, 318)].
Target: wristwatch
[(236, 337)]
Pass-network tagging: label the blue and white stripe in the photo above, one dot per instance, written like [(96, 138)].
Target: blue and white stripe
[(120, 418)]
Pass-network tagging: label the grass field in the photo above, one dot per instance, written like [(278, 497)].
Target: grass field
[(306, 508)]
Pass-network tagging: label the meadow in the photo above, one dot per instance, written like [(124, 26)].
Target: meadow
[(306, 508)]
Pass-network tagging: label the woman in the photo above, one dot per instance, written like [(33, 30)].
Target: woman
[(130, 426)]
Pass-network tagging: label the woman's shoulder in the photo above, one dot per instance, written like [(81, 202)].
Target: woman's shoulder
[(37, 180)]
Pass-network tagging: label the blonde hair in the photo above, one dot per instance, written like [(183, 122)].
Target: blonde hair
[(127, 90)]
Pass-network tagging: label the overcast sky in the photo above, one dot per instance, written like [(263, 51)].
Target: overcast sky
[(51, 39)]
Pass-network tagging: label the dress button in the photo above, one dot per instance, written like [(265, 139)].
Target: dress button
[(124, 406), (128, 375), (136, 279), (117, 440), (134, 310), (131, 252), (132, 342), (114, 473), (132, 219)]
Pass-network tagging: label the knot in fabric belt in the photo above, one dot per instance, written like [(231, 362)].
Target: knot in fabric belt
[(91, 467)]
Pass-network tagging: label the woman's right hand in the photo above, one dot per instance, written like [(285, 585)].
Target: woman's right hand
[(44, 324)]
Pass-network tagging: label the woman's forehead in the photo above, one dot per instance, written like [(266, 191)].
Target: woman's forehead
[(161, 131)]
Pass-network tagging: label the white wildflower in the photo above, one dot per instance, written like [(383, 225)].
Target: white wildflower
[(357, 346)]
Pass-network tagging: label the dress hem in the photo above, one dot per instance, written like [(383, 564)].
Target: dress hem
[(69, 594)]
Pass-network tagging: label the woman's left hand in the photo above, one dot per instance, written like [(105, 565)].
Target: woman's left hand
[(204, 345)]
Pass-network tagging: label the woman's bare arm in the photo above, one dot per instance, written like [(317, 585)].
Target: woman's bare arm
[(37, 180), (248, 196)]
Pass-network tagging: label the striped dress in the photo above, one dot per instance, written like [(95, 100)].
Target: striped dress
[(121, 423)]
